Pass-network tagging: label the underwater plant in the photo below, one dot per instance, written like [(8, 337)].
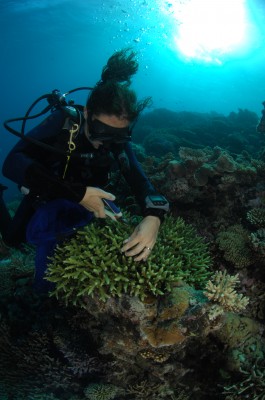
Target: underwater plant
[(91, 263)]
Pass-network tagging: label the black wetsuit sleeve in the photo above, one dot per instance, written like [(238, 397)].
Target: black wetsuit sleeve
[(46, 185), (25, 163), (140, 184)]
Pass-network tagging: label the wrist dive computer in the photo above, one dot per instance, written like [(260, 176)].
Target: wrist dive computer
[(157, 201)]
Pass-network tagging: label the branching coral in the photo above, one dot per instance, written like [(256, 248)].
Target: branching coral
[(98, 391), (147, 390), (258, 241), (256, 217), (221, 289), (34, 394), (252, 385), (79, 361), (91, 263), (19, 265), (236, 245), (28, 368)]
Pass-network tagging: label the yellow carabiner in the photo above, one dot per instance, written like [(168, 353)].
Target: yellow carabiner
[(73, 130), (71, 146)]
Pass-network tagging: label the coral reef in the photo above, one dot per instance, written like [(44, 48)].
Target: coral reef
[(256, 216), (207, 178), (242, 338), (145, 390), (164, 338), (258, 242), (91, 263), (148, 342), (251, 385), (16, 268), (236, 244), (79, 362), (221, 289), (99, 391), (27, 366), (235, 132)]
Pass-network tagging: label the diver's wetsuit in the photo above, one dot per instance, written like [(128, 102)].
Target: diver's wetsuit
[(41, 171)]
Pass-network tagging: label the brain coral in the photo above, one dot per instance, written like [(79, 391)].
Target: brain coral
[(92, 263)]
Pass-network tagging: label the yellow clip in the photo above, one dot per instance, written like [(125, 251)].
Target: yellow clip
[(71, 146), (72, 131)]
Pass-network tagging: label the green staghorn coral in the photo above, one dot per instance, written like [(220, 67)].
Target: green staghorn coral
[(91, 263)]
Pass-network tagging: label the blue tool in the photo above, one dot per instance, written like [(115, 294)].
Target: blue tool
[(112, 210)]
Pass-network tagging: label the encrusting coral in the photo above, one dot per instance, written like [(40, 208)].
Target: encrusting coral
[(221, 289), (91, 263)]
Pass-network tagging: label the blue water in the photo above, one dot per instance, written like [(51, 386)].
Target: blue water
[(63, 44), (48, 44)]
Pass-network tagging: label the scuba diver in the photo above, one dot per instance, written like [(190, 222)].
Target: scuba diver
[(62, 167)]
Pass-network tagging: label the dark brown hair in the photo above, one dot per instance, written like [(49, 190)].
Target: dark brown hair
[(112, 94)]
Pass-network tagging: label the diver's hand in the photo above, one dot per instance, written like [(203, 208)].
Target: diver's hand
[(92, 201), (139, 245)]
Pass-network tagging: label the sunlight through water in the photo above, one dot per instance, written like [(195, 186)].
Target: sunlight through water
[(208, 30)]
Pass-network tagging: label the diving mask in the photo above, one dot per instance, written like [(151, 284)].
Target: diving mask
[(106, 133)]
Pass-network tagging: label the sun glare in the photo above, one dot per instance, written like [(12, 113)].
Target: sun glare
[(210, 29)]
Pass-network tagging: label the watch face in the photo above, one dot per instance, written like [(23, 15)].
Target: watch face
[(159, 199)]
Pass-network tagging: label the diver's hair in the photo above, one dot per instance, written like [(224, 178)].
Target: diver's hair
[(112, 95)]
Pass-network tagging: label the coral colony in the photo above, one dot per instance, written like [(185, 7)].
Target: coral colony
[(186, 324)]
